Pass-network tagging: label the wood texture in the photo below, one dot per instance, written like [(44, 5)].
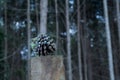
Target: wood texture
[(47, 68)]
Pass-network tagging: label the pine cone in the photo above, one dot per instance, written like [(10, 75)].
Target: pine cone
[(46, 45)]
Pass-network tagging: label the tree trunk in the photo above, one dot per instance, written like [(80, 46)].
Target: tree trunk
[(29, 36), (6, 44), (79, 42), (69, 62), (84, 43), (43, 16), (118, 18), (90, 73), (57, 27), (37, 18), (109, 45)]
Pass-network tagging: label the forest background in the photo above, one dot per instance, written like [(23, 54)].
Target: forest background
[(86, 32)]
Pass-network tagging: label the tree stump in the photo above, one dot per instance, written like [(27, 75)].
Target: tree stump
[(47, 68)]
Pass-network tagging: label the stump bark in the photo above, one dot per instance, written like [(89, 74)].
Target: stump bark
[(47, 68)]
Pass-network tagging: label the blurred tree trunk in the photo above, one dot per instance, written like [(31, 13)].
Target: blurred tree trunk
[(57, 27), (43, 16), (84, 44), (118, 18), (37, 18), (6, 43), (79, 41), (90, 73), (114, 46), (69, 62), (109, 45), (29, 36)]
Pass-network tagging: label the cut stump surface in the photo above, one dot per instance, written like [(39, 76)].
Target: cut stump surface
[(47, 68)]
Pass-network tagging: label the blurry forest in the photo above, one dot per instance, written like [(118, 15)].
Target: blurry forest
[(86, 32)]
